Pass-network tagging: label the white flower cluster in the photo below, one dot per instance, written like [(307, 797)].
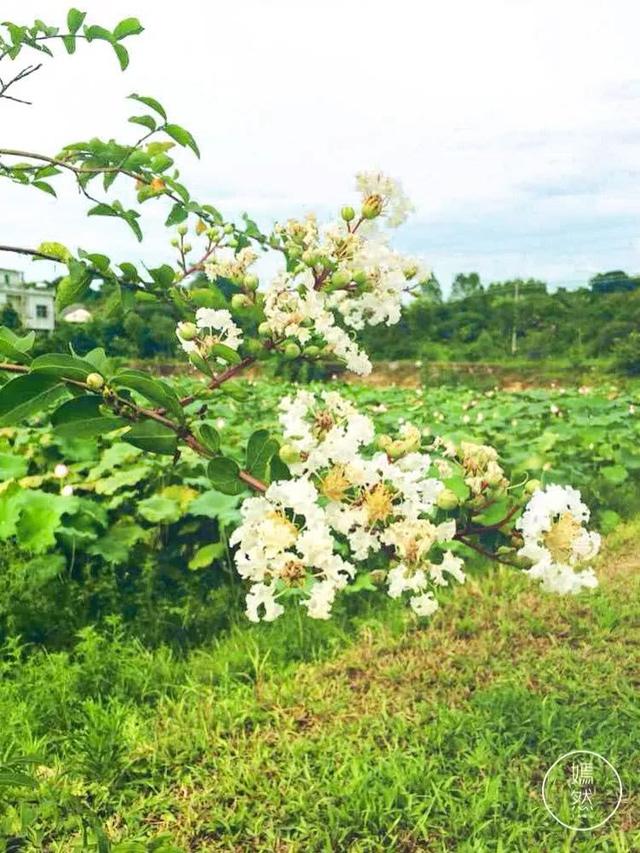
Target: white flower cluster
[(556, 541), (295, 311), (342, 273), (377, 188), (212, 326), (227, 264), (346, 503)]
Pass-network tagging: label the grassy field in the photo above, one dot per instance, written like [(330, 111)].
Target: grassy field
[(364, 734)]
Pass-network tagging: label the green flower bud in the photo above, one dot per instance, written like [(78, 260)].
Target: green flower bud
[(264, 330), (182, 230), (288, 454), (372, 206), (232, 242), (95, 381), (383, 441), (348, 213), (396, 449), (187, 248), (228, 228), (447, 499), (291, 351), (187, 331), (251, 282), (239, 301), (311, 258), (175, 242), (312, 351), (359, 276), (532, 486), (253, 346), (341, 278)]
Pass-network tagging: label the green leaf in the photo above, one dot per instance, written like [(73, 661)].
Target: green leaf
[(45, 187), (608, 520), (127, 27), (225, 353), (213, 504), (45, 568), (16, 779), (153, 437), (40, 514), (182, 137), (130, 476), (98, 359), (260, 450), (154, 390), (150, 102), (177, 214), (81, 418), (146, 121), (458, 487), (208, 436), (278, 470), (12, 466), (10, 510), (235, 390), (159, 509), (115, 546), (615, 474), (96, 33), (123, 56), (75, 19), (26, 395), (493, 514), (73, 286), (14, 346), (224, 474), (62, 366), (206, 555), (163, 276)]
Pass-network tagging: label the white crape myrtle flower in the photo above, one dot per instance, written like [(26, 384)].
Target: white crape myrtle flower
[(395, 205), (324, 429), (450, 564), (261, 595), (220, 327), (228, 264), (555, 540), (386, 283), (424, 605), (283, 540)]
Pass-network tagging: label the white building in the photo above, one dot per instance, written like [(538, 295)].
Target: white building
[(34, 305)]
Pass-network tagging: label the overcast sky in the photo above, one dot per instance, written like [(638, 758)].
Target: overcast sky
[(514, 126)]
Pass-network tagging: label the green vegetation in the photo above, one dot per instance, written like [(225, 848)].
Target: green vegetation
[(144, 538), (519, 320), (361, 734)]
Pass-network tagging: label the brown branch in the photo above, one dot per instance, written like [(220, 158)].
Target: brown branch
[(480, 528), (183, 432), (18, 250), (14, 368), (484, 551), (30, 69)]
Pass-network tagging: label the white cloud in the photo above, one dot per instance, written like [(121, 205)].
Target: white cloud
[(507, 121)]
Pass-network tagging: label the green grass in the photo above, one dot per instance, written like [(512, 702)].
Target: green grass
[(368, 733)]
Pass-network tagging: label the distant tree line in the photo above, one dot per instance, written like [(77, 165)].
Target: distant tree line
[(519, 319)]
